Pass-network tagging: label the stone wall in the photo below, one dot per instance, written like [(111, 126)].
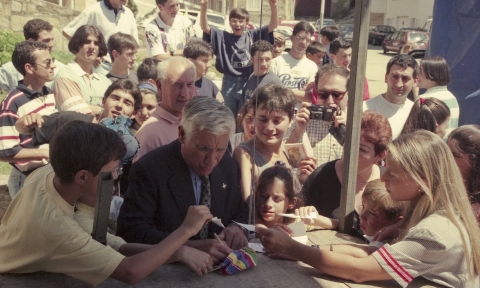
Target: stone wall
[(15, 13)]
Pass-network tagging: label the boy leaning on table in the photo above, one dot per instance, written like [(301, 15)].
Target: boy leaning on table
[(38, 232)]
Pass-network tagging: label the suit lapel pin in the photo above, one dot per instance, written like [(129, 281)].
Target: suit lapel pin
[(224, 185)]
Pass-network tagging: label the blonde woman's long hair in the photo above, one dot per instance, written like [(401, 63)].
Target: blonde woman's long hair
[(429, 162)]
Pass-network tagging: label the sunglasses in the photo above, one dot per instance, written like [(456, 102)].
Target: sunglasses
[(324, 94), (46, 64)]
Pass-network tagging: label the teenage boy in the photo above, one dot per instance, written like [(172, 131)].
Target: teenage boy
[(33, 60), (294, 69), (232, 50), (38, 232), (315, 52), (278, 44), (341, 55), (262, 55), (110, 17), (401, 77), (122, 49), (168, 33), (327, 35), (35, 30), (201, 54)]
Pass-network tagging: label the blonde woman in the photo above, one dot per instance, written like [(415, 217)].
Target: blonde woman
[(440, 237)]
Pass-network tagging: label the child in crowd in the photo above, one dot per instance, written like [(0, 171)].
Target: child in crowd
[(262, 55), (274, 108), (315, 52), (246, 121), (122, 49), (439, 236), (278, 44), (276, 192), (464, 142), (147, 74), (232, 50), (378, 211), (430, 114), (149, 102), (201, 54)]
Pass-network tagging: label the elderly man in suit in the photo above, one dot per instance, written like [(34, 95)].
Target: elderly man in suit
[(192, 170)]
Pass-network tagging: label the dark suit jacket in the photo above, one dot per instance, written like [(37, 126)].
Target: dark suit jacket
[(160, 191)]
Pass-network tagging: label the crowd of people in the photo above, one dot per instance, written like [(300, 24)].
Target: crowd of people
[(180, 156)]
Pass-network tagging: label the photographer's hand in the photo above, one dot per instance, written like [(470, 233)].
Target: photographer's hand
[(340, 118)]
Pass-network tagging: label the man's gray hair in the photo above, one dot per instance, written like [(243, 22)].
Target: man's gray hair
[(206, 113), (163, 66)]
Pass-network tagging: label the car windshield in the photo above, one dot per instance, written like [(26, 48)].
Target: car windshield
[(328, 22), (346, 28), (417, 37), (215, 19), (385, 29)]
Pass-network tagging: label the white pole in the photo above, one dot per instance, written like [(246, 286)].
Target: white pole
[(322, 11)]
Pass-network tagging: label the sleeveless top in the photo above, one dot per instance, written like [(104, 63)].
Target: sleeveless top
[(258, 159)]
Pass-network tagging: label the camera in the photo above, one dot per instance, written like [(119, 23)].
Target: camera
[(322, 112)]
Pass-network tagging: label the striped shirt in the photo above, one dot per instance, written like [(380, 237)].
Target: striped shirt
[(20, 102), (433, 250), (442, 94)]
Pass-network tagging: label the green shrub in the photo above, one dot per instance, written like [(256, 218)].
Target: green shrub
[(7, 44)]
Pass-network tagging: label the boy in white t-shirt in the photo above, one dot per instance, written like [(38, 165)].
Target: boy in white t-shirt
[(401, 77), (168, 33), (294, 69)]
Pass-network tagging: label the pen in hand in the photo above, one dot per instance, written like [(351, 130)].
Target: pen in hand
[(218, 239)]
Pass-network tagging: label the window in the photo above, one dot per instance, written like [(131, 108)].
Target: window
[(253, 5)]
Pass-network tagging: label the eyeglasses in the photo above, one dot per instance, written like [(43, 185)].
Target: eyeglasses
[(301, 39), (47, 63), (324, 94)]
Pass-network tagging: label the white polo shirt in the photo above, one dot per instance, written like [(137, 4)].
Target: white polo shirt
[(104, 18), (161, 38)]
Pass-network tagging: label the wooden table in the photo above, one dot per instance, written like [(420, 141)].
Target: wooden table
[(268, 273)]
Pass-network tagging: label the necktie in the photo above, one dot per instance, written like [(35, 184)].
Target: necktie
[(205, 199)]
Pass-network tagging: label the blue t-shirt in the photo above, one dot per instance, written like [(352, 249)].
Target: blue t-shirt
[(206, 87), (252, 81), (233, 52)]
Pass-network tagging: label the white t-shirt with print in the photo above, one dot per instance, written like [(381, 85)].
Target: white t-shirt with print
[(294, 73), (161, 38)]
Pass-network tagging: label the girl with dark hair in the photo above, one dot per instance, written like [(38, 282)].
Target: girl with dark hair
[(464, 142), (430, 114), (434, 75)]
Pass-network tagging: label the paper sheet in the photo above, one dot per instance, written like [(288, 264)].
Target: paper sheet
[(257, 247), (299, 232), (312, 215), (218, 222), (246, 226)]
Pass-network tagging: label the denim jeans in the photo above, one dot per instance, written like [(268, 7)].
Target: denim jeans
[(15, 182), (232, 91)]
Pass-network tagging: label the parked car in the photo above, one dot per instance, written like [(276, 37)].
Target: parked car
[(326, 22), (377, 33), (345, 30), (286, 32), (405, 41)]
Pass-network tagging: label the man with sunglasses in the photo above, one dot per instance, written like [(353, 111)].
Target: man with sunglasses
[(331, 84), (33, 60), (294, 69), (34, 30)]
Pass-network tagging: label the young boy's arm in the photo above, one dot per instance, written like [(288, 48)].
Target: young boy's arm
[(274, 17), (203, 17)]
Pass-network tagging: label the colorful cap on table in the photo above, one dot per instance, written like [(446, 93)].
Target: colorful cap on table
[(239, 260)]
